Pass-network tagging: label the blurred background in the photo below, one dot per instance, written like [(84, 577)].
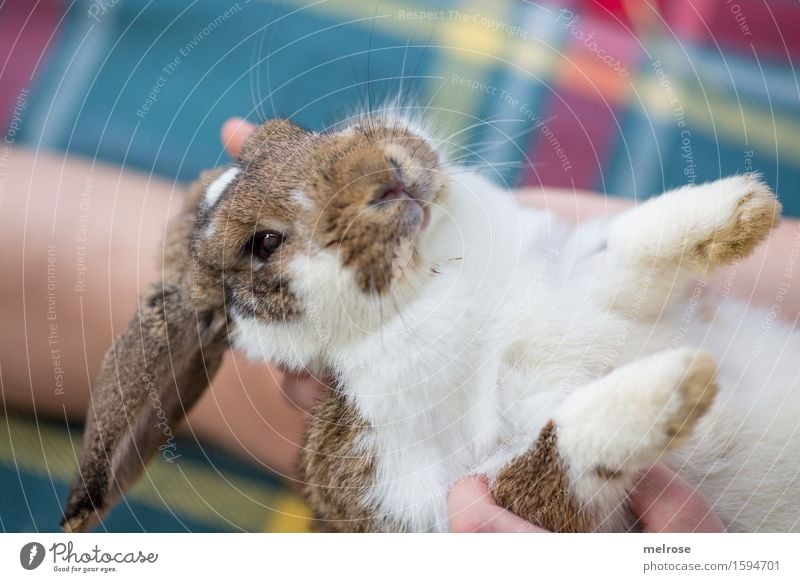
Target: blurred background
[(627, 98)]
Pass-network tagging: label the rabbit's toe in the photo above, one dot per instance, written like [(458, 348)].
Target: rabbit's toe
[(748, 210)]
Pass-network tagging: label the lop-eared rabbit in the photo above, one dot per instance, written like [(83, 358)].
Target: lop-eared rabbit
[(465, 335)]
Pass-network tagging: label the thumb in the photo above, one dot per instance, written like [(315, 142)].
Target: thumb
[(664, 502), (234, 133), (472, 509)]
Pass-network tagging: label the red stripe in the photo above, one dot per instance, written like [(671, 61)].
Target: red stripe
[(584, 128), (22, 45), (613, 10), (738, 24)]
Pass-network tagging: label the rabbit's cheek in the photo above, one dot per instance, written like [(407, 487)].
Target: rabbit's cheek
[(264, 296)]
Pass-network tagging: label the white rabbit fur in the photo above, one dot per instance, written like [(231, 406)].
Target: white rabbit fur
[(458, 372)]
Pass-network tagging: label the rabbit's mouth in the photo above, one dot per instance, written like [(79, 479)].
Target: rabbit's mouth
[(396, 191), (406, 199), (402, 198)]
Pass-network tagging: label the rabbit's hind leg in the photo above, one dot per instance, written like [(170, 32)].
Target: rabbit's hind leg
[(577, 475)]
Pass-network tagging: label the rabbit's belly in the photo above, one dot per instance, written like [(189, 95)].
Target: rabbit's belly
[(411, 494)]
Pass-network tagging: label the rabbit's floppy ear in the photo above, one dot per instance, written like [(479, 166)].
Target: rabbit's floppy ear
[(150, 377), (274, 138)]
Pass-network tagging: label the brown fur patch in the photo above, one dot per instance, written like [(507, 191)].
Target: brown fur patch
[(608, 474), (366, 229), (756, 215), (337, 473), (535, 486), (697, 390)]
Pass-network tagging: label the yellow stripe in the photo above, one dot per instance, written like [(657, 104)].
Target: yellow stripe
[(482, 44), (534, 57), (291, 515), (190, 489), (770, 134), (773, 134), (393, 14)]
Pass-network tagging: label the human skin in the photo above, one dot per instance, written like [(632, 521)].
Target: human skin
[(252, 409)]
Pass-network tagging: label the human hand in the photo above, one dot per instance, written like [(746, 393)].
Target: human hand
[(661, 501), (234, 133)]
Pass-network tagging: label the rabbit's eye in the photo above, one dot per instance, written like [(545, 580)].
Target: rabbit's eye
[(265, 243)]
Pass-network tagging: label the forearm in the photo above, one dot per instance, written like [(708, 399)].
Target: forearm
[(79, 241), (759, 279)]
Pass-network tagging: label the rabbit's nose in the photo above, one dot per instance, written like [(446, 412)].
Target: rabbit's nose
[(397, 188), (395, 191)]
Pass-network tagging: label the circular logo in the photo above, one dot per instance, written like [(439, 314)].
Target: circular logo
[(31, 555)]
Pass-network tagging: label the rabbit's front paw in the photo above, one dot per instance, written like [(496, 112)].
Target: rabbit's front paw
[(745, 211), (699, 227)]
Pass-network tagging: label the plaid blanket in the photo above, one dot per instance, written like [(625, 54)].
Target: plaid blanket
[(578, 94), (207, 492)]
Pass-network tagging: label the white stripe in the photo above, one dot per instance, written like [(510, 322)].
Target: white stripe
[(218, 186)]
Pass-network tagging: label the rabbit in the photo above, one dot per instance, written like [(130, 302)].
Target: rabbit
[(466, 335)]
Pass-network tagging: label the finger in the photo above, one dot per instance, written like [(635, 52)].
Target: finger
[(472, 509), (664, 502), (234, 133), (304, 390)]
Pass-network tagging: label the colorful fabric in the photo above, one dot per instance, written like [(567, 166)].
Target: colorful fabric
[(203, 491), (579, 94)]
